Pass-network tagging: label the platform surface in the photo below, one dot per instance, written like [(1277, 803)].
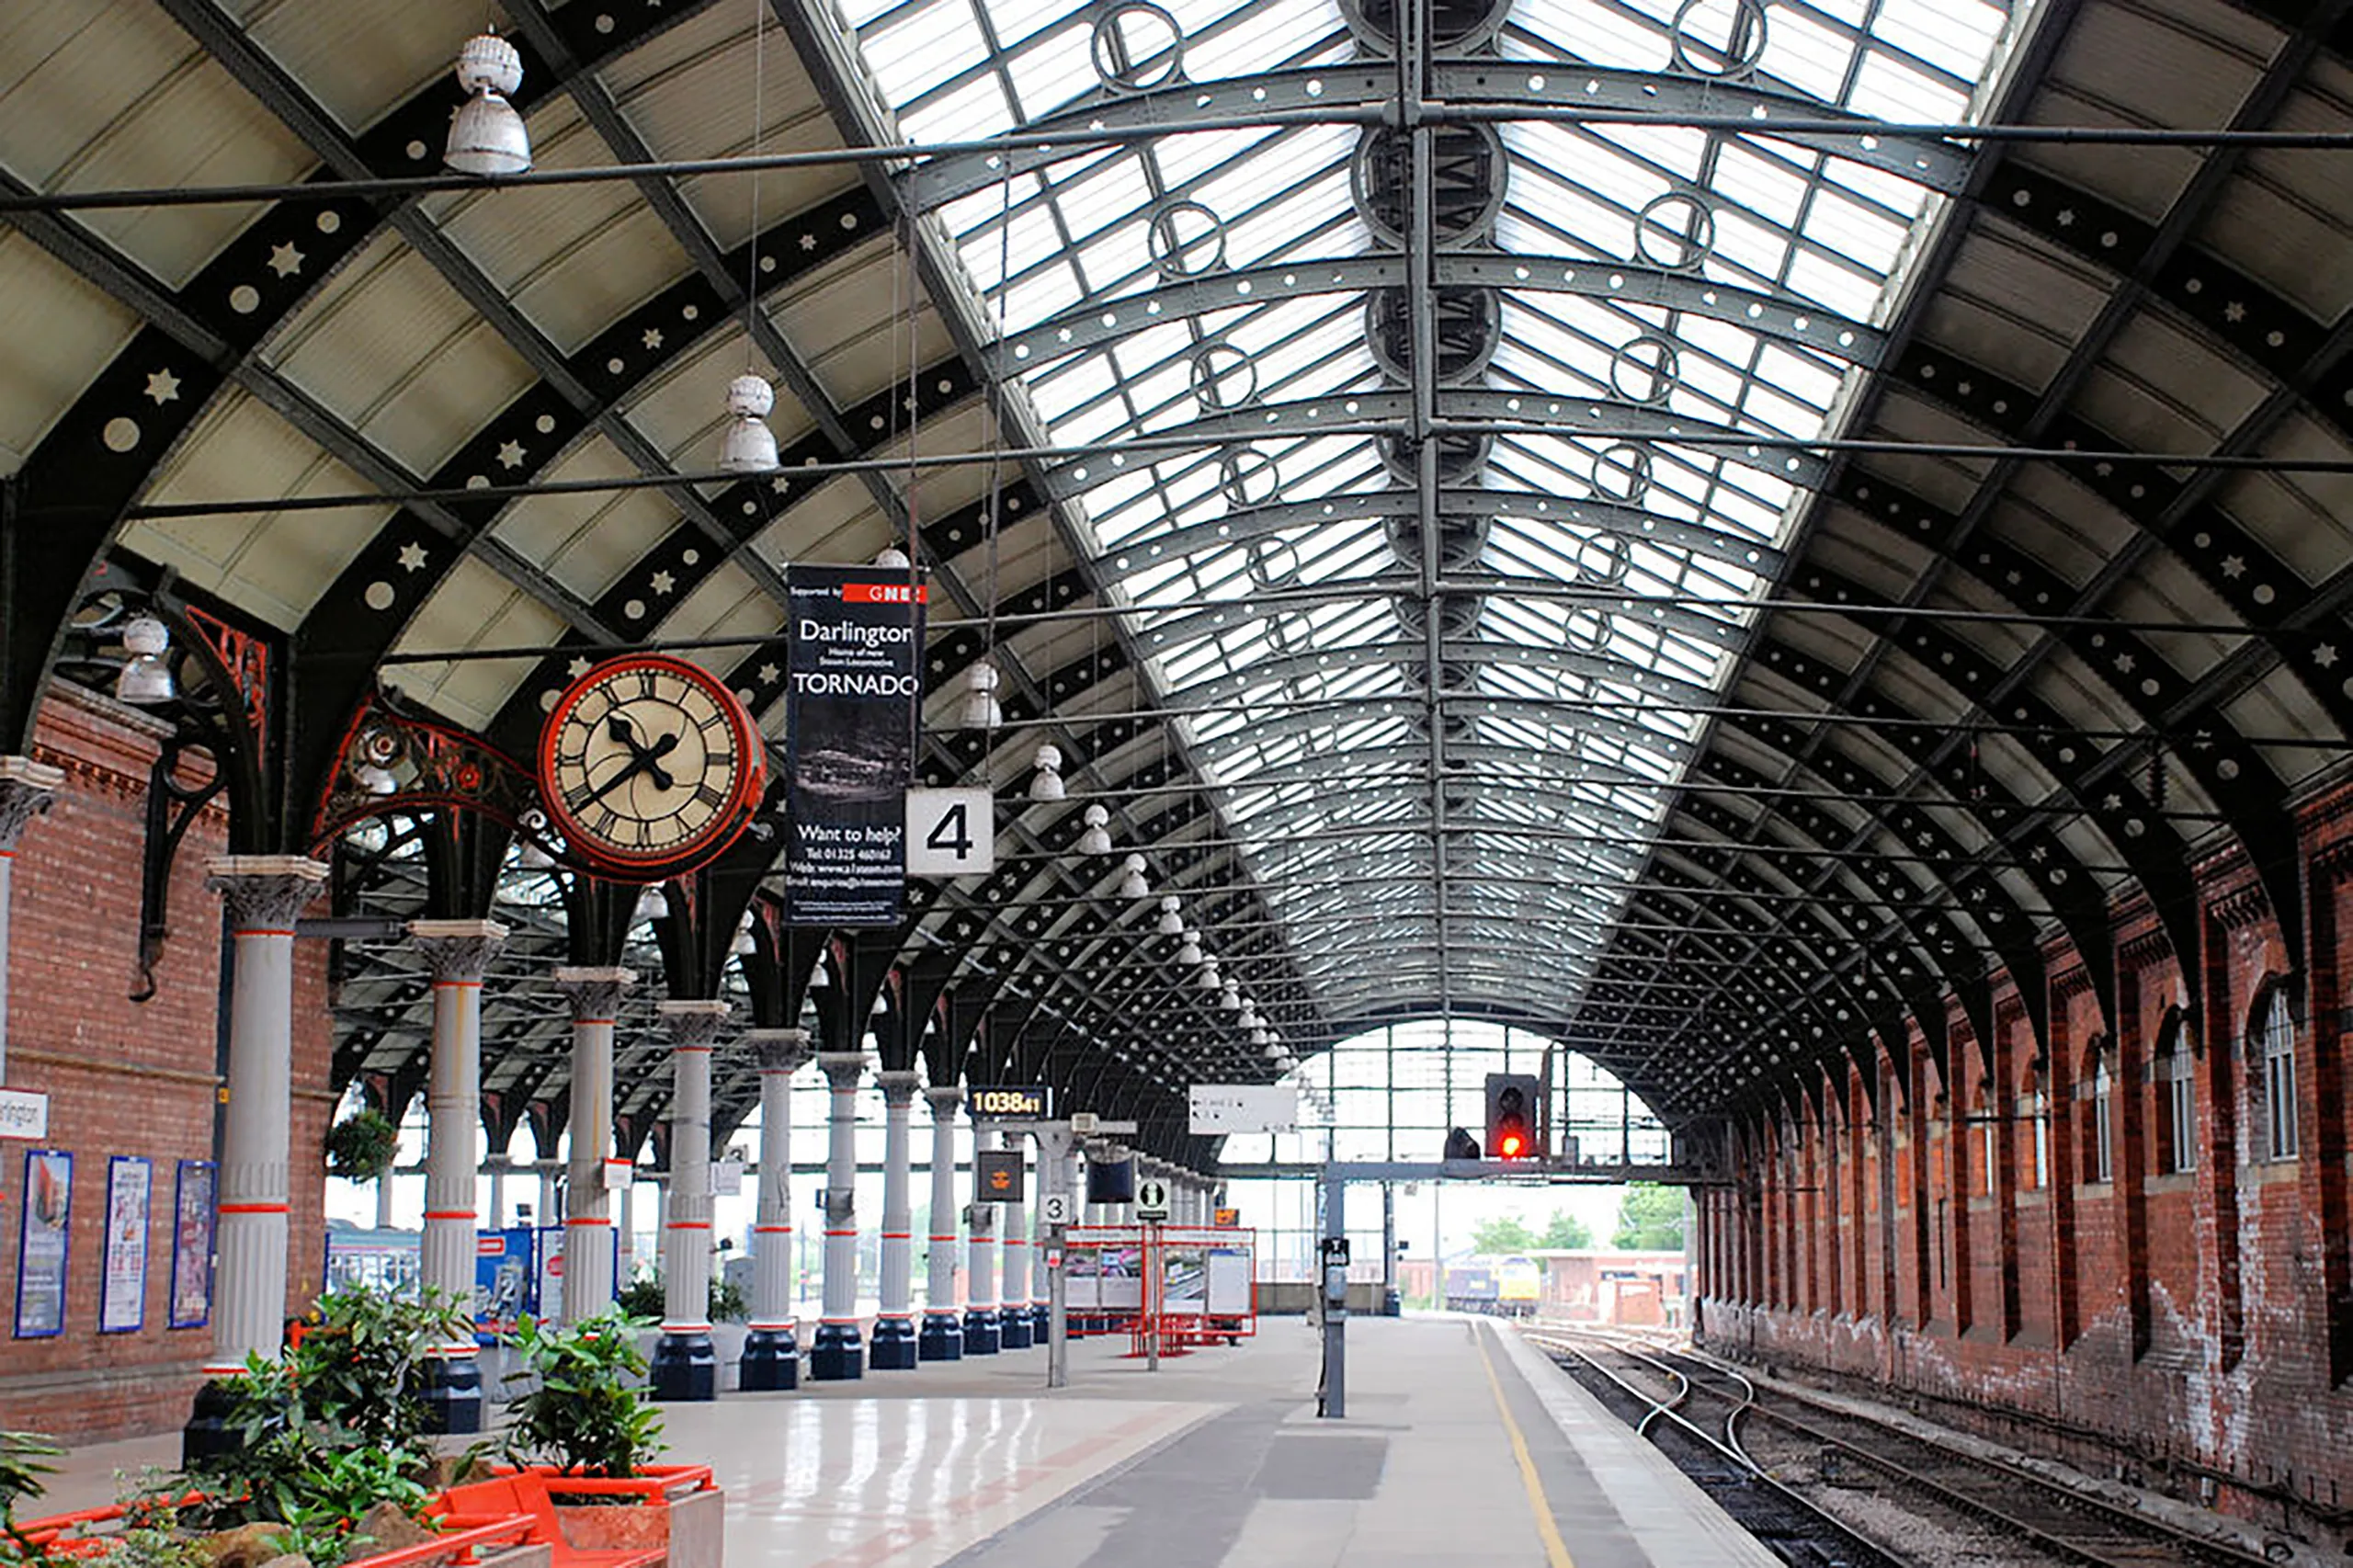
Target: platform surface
[(1461, 1445)]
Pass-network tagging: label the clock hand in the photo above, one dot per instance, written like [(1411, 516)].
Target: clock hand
[(661, 748), (618, 729), (637, 765)]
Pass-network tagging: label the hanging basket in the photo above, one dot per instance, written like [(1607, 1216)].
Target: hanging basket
[(360, 1147)]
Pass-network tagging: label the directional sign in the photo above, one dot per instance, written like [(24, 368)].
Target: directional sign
[(950, 833), (1152, 1199), (23, 1114), (997, 1176), (1054, 1208)]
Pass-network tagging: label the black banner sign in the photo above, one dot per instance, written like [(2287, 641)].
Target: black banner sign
[(1024, 1102), (996, 1176), (854, 684)]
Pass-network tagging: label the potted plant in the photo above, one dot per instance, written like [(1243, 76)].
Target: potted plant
[(584, 1436), (360, 1147)]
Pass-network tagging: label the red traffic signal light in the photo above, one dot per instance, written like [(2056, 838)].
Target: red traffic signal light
[(1511, 1116)]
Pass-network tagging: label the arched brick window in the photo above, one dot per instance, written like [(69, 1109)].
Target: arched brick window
[(2271, 1068), (2177, 1095)]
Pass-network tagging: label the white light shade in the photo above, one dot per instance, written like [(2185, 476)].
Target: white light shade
[(981, 709), (890, 558), (1228, 999), (487, 137), (144, 636), (1191, 953), (1132, 885), (1207, 979), (1046, 786), (1172, 921), (1274, 1053), (650, 904), (1096, 838), (146, 679), (748, 446)]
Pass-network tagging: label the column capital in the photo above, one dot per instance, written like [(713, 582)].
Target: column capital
[(594, 992), (457, 949), (944, 1099), (779, 1051), (898, 1088), (263, 892), (26, 790), (693, 1021), (841, 1068)]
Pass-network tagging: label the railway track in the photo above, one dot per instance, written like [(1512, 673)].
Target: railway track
[(2033, 1515)]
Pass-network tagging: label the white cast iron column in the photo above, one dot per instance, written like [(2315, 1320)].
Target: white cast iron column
[(839, 1354), (893, 1348), (458, 952), (685, 1366), (1015, 1330), (264, 893), (772, 1349), (942, 1339), (588, 1244)]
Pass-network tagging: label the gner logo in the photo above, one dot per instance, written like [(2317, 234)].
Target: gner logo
[(886, 593)]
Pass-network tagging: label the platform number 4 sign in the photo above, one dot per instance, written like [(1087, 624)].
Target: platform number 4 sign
[(950, 833)]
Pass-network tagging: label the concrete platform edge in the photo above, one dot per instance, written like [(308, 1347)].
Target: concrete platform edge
[(1673, 1520)]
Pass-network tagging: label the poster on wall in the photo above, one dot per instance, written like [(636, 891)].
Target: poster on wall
[(192, 1245), (852, 701), (122, 1288), (41, 1244)]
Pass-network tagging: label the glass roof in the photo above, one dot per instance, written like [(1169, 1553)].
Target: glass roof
[(1622, 285)]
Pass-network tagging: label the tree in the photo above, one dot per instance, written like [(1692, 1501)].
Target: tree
[(1566, 1231), (1509, 1234), (1650, 1218)]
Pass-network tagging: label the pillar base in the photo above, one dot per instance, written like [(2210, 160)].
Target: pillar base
[(1013, 1328), (452, 1393), (771, 1360), (685, 1367), (1042, 1323), (942, 1339), (837, 1356), (208, 1433), (980, 1331), (892, 1345)]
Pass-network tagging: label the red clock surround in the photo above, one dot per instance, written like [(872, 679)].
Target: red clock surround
[(650, 768)]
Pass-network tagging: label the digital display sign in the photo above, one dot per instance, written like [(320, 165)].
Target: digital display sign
[(1023, 1102)]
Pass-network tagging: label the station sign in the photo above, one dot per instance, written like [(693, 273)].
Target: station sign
[(1215, 1109), (1152, 1199), (23, 1114), (996, 1176), (950, 833), (1017, 1102)]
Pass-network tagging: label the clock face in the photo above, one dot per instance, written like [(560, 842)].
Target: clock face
[(649, 765)]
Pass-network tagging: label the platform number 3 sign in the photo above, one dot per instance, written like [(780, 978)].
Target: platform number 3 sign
[(950, 833)]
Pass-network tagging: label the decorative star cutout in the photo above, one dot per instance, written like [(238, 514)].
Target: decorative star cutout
[(411, 557), (2124, 663), (2234, 312), (2233, 566), (652, 337), (808, 241), (769, 675), (779, 484), (663, 582), (2325, 655), (2111, 802), (163, 387), (578, 667), (511, 455), (285, 260), (2038, 853), (2066, 217)]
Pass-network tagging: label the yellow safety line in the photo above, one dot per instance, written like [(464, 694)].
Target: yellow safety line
[(1556, 1551)]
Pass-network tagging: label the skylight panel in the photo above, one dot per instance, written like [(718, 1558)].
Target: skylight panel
[(929, 44), (1955, 36)]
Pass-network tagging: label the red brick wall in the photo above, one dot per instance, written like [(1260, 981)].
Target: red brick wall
[(2197, 1326), (125, 1078)]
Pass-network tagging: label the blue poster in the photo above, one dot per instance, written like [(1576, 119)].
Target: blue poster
[(502, 1281)]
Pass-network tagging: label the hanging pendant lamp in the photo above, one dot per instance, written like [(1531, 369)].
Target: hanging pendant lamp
[(748, 446), (487, 136)]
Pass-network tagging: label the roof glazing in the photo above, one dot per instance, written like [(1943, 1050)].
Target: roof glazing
[(1623, 284)]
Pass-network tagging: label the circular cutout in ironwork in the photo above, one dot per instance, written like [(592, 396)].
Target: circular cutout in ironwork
[(1469, 171), (1675, 232), (1586, 632), (1469, 326), (1185, 239), (1457, 27), (1247, 477), (1724, 38), (1224, 377), (1622, 472), (1601, 558), (1272, 561), (1459, 457), (1136, 47), (1646, 369), (1460, 540)]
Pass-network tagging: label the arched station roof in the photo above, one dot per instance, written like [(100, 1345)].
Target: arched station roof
[(1647, 521)]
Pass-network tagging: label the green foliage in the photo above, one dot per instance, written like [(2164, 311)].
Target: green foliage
[(1565, 1230), (584, 1412), (727, 1303), (360, 1147), (641, 1297), (1650, 1218), (335, 1424), (1509, 1234), (152, 1535), (21, 1468)]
